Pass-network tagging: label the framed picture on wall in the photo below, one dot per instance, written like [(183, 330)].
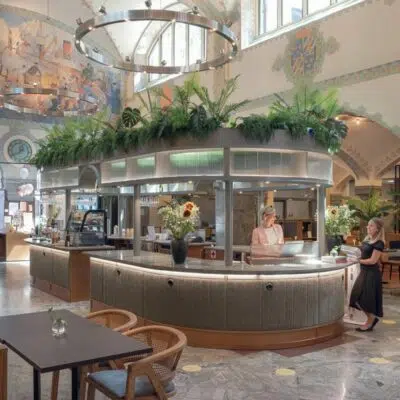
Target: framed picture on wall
[(23, 206), (13, 208)]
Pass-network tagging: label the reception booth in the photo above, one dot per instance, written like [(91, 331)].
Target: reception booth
[(223, 301)]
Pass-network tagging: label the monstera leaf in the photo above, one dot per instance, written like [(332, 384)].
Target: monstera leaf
[(130, 117)]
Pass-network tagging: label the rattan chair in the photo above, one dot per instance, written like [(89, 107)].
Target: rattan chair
[(143, 377), (116, 319)]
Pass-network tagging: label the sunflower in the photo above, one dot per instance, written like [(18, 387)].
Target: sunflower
[(188, 206)]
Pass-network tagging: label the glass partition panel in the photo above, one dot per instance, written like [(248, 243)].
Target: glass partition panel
[(205, 162), (268, 163), (141, 167), (320, 166), (66, 177), (113, 171)]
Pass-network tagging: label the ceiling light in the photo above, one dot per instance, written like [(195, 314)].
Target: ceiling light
[(102, 10), (157, 15), (267, 182), (275, 190)]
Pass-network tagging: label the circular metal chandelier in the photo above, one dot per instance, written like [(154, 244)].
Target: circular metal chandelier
[(84, 28), (12, 96)]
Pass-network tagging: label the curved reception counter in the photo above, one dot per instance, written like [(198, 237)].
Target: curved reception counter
[(63, 272), (279, 304)]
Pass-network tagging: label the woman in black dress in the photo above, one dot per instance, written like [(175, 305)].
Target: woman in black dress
[(367, 290)]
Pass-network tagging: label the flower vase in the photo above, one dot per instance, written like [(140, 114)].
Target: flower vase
[(333, 241), (179, 250), (58, 327)]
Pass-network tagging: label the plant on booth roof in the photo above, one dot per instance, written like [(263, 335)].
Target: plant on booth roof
[(180, 219), (312, 113), (194, 113)]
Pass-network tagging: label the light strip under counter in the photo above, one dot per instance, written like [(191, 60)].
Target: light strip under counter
[(219, 276)]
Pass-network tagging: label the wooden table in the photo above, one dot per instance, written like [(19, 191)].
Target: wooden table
[(30, 336)]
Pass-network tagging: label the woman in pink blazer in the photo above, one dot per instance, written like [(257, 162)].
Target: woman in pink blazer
[(268, 233)]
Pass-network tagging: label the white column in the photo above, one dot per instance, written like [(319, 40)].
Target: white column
[(228, 223), (136, 221), (321, 221)]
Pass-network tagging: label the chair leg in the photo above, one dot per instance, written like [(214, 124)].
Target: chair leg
[(3, 372), (54, 385), (91, 392), (82, 389)]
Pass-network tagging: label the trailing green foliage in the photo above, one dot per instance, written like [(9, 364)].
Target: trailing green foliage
[(372, 207), (312, 113), (191, 112)]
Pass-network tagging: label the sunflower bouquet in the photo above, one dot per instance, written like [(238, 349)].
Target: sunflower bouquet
[(180, 219), (339, 220)]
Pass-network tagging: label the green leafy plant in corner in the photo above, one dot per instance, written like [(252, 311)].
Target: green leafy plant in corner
[(373, 206)]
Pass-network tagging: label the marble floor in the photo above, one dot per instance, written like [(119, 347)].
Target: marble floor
[(355, 367)]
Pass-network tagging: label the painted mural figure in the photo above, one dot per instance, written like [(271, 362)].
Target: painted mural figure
[(35, 53)]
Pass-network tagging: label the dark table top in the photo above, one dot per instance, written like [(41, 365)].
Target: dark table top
[(30, 336)]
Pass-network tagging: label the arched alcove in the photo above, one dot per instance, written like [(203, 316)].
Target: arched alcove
[(89, 177)]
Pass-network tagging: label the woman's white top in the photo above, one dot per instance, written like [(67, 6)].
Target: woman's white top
[(272, 237)]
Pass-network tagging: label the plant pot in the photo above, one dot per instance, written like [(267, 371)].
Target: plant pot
[(179, 250), (333, 241)]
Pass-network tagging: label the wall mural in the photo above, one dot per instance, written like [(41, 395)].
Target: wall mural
[(304, 55), (34, 52)]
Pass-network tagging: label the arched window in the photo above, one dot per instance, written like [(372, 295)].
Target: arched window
[(275, 14), (178, 44)]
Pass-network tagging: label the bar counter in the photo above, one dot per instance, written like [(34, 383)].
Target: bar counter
[(61, 271), (13, 246), (279, 304)]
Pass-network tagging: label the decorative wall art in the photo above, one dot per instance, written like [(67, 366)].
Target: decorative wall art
[(36, 53), (304, 55)]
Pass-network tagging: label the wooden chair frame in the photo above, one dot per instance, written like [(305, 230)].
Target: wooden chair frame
[(108, 314), (143, 367)]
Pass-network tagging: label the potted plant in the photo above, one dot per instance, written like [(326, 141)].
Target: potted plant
[(373, 206), (179, 219), (339, 220)]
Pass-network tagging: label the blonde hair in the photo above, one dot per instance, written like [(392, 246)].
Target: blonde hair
[(381, 231)]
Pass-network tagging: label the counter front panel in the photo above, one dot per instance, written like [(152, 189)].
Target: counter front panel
[(252, 302)]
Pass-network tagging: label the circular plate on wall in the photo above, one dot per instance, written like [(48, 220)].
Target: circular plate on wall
[(18, 149)]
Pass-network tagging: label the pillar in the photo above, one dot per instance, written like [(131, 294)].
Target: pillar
[(321, 221), (136, 221), (228, 223), (67, 204), (219, 213)]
